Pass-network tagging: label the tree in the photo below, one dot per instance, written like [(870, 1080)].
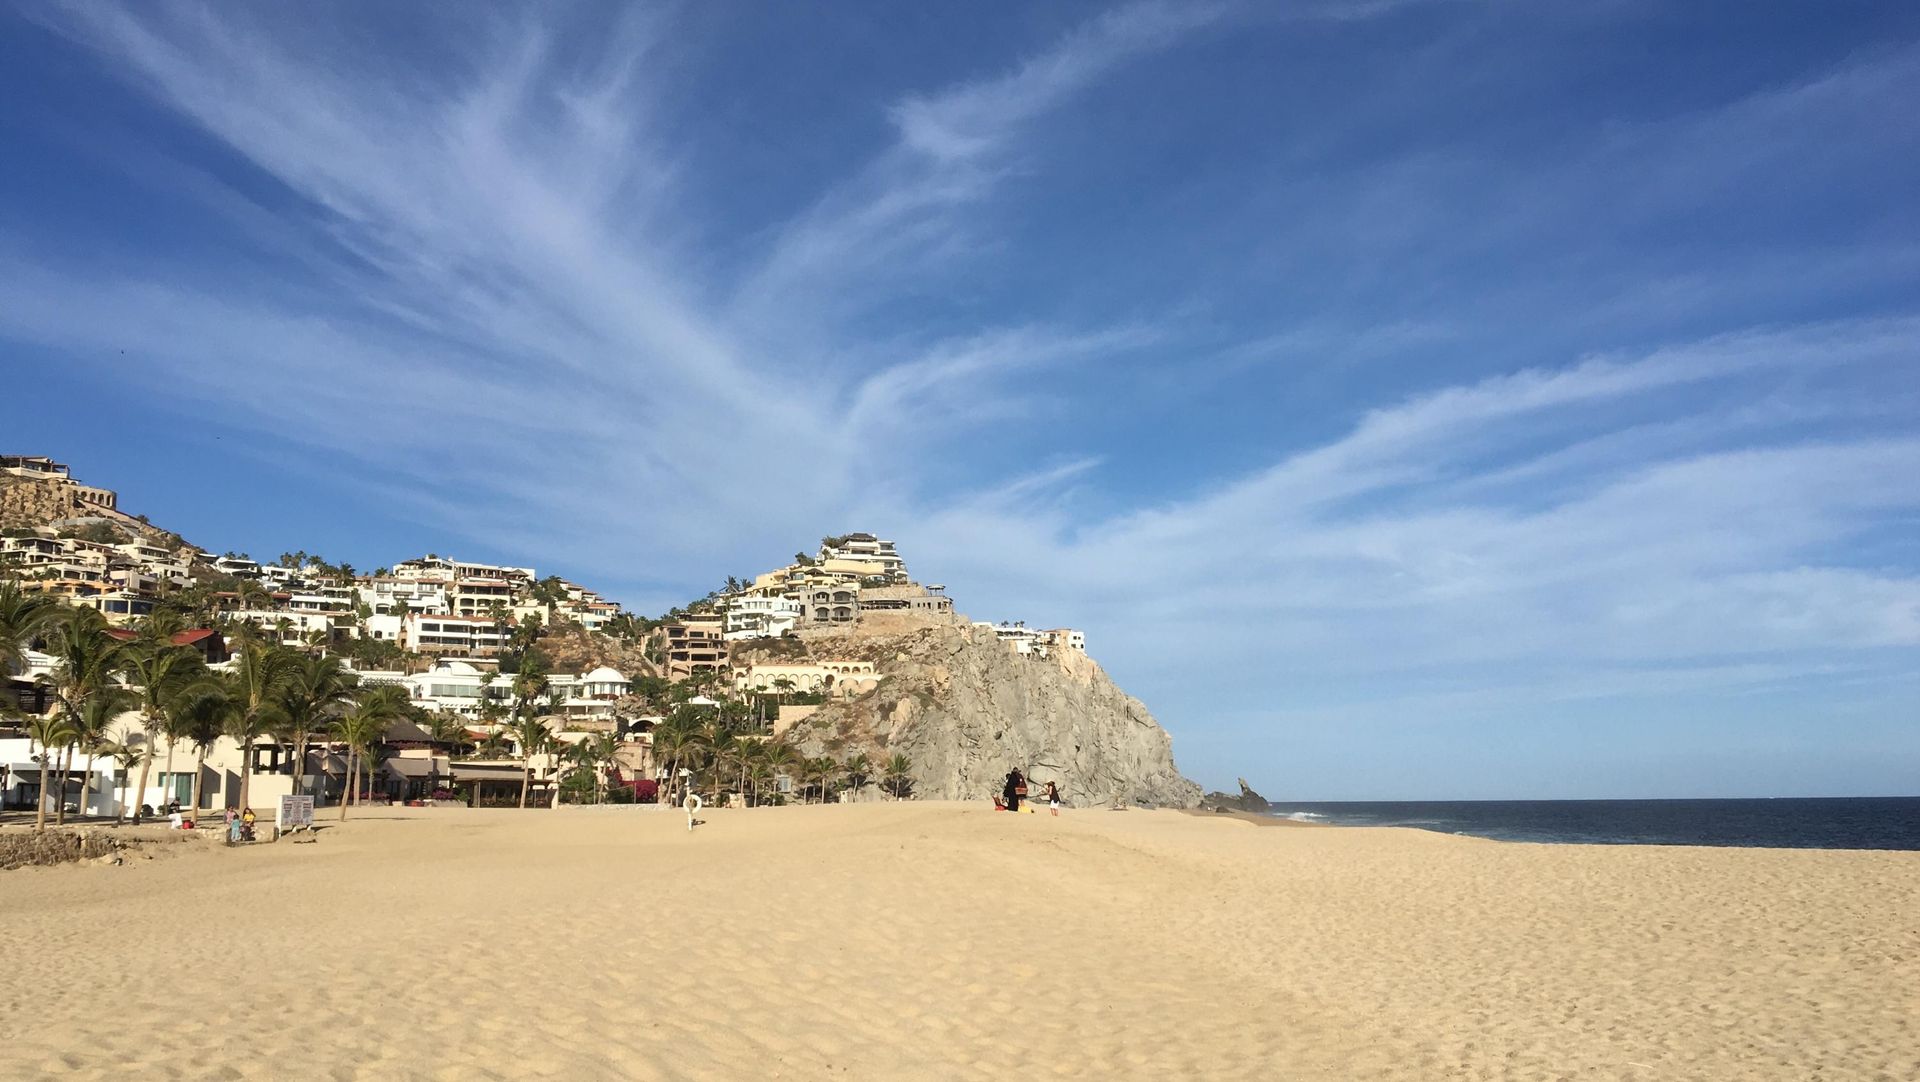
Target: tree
[(362, 729), (158, 670), (173, 722), (723, 749), (858, 769), (780, 758), (823, 769), (258, 679), (23, 616), (899, 777), (447, 729), (674, 741), (50, 731), (604, 751), (129, 754), (88, 659), (202, 715), (534, 738), (317, 689), (529, 682), (91, 728)]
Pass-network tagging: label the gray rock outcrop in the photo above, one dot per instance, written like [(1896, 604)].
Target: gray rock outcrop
[(1247, 801), (965, 709)]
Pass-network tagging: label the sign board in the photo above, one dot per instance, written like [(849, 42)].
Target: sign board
[(294, 812)]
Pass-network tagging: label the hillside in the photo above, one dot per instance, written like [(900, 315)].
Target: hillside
[(965, 709), (28, 503)]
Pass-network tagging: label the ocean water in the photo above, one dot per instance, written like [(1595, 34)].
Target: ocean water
[(1787, 823)]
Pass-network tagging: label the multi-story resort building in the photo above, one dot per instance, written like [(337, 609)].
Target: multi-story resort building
[(753, 616), (1027, 641), (446, 570), (697, 643), (462, 636), (875, 556), (390, 595), (475, 596)]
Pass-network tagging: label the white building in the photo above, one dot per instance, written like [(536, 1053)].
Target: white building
[(388, 595), (237, 566), (1068, 639), (299, 626), (752, 616), (1022, 639), (448, 570), (468, 635), (458, 687)]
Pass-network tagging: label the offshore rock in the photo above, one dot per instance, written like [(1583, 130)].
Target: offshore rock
[(1247, 801), (966, 709)]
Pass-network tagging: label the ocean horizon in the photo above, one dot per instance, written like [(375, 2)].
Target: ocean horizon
[(1888, 823)]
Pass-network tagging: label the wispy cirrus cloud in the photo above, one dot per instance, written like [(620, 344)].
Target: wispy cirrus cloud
[(1391, 565)]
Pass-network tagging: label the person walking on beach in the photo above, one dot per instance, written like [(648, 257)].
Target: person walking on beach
[(1053, 797)]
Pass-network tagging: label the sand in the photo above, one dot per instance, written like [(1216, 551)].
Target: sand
[(939, 941)]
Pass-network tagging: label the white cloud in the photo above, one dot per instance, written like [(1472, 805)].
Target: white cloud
[(1380, 558)]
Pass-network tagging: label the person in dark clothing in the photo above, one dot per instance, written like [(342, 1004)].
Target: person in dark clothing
[(1016, 788)]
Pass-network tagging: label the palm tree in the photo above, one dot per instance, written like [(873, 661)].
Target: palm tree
[(360, 728), (259, 677), (747, 754), (22, 617), (316, 689), (158, 669), (675, 740), (88, 660), (91, 727), (129, 755), (201, 715), (605, 752), (447, 729), (858, 769), (49, 731), (529, 681), (534, 738), (780, 758), (248, 591), (825, 769), (899, 776), (721, 747), (760, 777)]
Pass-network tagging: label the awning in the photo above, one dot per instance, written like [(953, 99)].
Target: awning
[(414, 768), (488, 772)]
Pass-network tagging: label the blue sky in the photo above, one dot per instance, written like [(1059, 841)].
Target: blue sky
[(1410, 400)]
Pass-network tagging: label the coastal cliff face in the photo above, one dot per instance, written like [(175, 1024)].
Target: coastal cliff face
[(965, 709)]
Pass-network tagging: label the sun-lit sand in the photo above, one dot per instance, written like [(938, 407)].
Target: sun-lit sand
[(941, 941)]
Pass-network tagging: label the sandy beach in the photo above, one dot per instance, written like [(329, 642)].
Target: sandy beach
[(941, 941)]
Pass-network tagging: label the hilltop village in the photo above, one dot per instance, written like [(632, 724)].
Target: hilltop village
[(502, 685)]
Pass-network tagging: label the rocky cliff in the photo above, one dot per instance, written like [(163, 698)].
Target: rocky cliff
[(965, 709)]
